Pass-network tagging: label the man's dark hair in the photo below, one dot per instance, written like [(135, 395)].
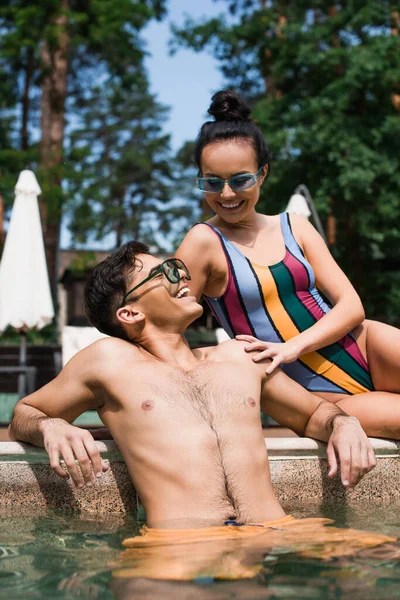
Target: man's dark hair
[(107, 285)]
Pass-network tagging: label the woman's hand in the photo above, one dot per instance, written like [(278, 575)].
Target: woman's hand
[(285, 352)]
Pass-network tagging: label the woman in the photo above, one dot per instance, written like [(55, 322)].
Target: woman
[(261, 276)]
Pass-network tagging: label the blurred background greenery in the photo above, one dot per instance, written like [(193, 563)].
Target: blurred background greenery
[(322, 78)]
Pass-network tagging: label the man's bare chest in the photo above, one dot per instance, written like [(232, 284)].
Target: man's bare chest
[(210, 393)]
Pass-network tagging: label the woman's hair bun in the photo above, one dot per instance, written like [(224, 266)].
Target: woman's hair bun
[(229, 106)]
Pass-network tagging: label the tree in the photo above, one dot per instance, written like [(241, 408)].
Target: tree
[(48, 47), (120, 182), (323, 80)]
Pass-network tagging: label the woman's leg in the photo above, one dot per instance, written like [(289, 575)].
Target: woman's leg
[(383, 353), (378, 413)]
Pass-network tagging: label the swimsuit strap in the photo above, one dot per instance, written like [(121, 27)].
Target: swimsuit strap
[(289, 239)]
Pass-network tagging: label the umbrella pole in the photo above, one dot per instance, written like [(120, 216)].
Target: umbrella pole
[(22, 364)]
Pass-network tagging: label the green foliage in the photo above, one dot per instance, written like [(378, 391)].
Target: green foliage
[(82, 263), (184, 181), (120, 168), (104, 36), (47, 335), (117, 174), (323, 80)]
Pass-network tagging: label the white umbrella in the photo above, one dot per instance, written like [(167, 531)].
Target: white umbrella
[(25, 297), (298, 205), (301, 203)]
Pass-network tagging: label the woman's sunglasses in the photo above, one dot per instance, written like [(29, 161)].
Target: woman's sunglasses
[(237, 183), (170, 268)]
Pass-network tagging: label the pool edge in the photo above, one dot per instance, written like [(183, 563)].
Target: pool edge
[(298, 471)]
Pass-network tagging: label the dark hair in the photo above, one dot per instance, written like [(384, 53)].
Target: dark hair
[(232, 122), (106, 286)]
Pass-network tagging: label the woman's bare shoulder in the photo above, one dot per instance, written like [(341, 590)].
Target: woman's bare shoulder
[(200, 235), (301, 224), (303, 230)]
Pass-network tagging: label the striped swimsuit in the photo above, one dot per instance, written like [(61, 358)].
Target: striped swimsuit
[(277, 303)]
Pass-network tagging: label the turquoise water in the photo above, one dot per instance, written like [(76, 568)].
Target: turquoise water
[(60, 555)]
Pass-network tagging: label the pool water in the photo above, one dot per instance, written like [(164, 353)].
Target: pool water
[(60, 555)]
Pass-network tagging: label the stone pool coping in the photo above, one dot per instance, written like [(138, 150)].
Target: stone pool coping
[(277, 448), (298, 470)]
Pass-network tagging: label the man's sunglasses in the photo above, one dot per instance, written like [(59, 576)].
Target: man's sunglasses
[(170, 268), (237, 183)]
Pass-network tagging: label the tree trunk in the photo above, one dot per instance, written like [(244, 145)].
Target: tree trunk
[(54, 83), (269, 80), (331, 225), (118, 236), (395, 16), (26, 100)]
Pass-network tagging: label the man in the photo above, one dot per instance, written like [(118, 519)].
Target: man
[(187, 422)]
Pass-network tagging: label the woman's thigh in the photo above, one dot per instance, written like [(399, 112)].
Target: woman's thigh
[(383, 352), (378, 412)]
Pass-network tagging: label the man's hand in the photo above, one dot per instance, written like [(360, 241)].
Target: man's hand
[(278, 352), (349, 444), (65, 441)]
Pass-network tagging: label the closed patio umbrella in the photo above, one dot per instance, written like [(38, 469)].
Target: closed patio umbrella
[(298, 205), (301, 203), (25, 296)]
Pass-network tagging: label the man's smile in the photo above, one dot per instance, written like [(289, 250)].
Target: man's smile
[(182, 292)]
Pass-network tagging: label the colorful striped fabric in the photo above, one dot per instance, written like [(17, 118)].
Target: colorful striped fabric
[(278, 302)]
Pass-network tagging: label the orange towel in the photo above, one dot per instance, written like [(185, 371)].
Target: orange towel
[(235, 552)]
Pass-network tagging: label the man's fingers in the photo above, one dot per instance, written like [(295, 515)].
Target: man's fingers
[(371, 458), (332, 460), (345, 466), (87, 456), (365, 464), (77, 448), (354, 451), (54, 458), (71, 465), (84, 461), (94, 455), (355, 466)]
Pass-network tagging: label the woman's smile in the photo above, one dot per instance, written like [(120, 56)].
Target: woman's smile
[(231, 206)]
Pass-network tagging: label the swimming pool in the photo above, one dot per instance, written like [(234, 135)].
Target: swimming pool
[(61, 555), (46, 552)]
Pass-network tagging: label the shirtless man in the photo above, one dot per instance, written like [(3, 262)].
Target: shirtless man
[(186, 421)]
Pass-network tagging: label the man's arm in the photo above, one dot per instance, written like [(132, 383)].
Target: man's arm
[(309, 415), (44, 419)]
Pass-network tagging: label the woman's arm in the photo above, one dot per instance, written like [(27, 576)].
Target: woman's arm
[(201, 252), (347, 311)]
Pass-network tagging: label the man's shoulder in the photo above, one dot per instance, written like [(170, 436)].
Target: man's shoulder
[(234, 351), (103, 353), (230, 349), (112, 344)]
